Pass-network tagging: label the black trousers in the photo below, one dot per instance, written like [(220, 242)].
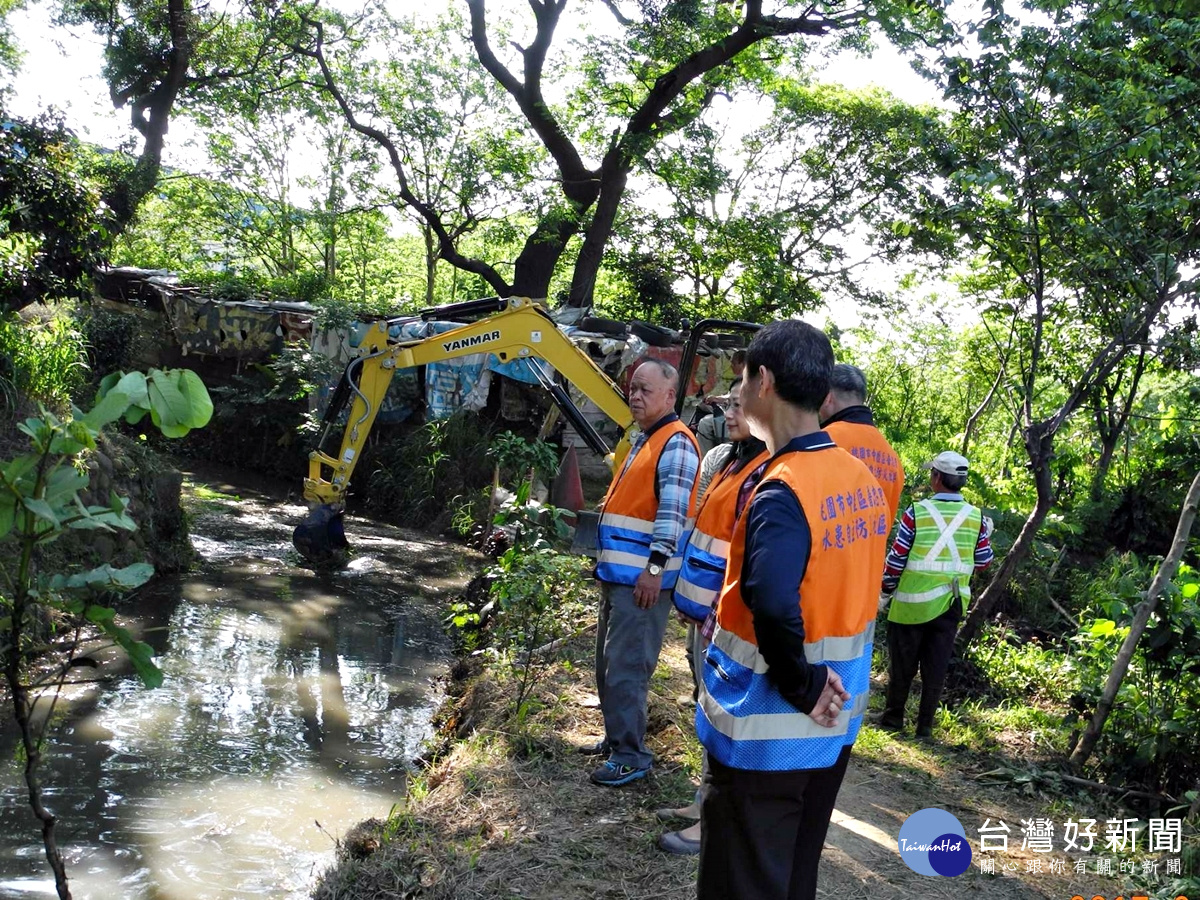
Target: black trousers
[(763, 832), (927, 647)]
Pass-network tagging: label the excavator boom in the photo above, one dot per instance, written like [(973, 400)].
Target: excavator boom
[(520, 329)]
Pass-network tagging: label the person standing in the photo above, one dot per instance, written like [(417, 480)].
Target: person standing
[(847, 419), (941, 542), (643, 526), (703, 571), (787, 673)]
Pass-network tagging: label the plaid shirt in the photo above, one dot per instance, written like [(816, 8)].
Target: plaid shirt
[(677, 468)]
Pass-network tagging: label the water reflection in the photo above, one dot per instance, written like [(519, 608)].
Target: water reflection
[(290, 700)]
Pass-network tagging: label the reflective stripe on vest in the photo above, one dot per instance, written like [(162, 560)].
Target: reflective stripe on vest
[(703, 568), (942, 554), (626, 527), (867, 444), (742, 719)]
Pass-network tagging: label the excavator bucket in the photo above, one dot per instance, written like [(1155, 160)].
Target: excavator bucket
[(321, 537), (585, 542)]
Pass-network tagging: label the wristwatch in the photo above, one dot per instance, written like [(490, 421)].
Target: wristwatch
[(654, 569)]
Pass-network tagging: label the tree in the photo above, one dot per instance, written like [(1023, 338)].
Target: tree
[(52, 225), (159, 57), (1075, 170), (765, 224), (1162, 578), (655, 72)]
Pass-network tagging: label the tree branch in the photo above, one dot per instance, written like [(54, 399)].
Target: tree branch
[(448, 250)]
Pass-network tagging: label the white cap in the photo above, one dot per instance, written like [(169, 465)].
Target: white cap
[(949, 463)]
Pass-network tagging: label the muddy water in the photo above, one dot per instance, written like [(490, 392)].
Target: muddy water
[(291, 706)]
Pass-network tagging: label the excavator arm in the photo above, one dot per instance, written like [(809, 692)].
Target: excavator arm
[(520, 329)]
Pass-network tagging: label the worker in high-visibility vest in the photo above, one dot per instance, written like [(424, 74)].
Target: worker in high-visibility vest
[(941, 542), (788, 671)]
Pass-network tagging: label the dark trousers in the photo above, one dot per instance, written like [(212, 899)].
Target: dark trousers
[(628, 642), (763, 832), (927, 647)]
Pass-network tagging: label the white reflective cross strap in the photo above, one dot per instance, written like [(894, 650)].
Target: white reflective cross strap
[(947, 531)]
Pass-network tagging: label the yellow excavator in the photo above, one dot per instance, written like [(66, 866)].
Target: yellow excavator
[(511, 328)]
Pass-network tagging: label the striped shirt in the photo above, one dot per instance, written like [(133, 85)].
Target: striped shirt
[(897, 557)]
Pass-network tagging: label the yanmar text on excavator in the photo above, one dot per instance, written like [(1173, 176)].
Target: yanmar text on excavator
[(511, 328)]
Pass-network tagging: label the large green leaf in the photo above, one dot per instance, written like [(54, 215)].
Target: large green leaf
[(63, 483), (168, 407), (104, 577), (134, 386), (200, 407), (108, 410)]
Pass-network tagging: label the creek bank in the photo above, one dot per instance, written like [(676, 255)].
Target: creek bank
[(503, 807)]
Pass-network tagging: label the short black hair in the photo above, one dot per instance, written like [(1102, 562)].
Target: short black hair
[(952, 482), (848, 379), (799, 356), (739, 356)]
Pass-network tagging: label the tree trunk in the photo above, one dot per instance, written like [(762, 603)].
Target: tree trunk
[(1166, 571), (1040, 444), (612, 189), (535, 266), (431, 249)]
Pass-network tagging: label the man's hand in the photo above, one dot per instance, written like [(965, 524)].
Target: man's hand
[(884, 601), (833, 699), (645, 591)]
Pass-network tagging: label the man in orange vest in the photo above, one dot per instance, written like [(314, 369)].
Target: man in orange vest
[(644, 524), (847, 419), (788, 670)]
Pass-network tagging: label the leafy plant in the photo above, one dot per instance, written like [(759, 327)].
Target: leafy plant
[(176, 399), (41, 499), (1146, 738)]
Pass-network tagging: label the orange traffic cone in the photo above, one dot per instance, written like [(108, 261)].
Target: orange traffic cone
[(567, 491)]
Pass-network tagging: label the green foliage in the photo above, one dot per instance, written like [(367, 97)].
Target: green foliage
[(1147, 737), (519, 459), (1019, 669), (539, 598), (416, 476), (42, 357), (176, 400), (52, 227)]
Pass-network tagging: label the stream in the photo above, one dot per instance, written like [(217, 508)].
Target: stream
[(292, 706)]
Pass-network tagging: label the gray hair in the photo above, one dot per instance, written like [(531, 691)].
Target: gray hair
[(848, 379), (668, 371)]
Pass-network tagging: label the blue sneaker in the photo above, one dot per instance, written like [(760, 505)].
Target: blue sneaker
[(612, 774)]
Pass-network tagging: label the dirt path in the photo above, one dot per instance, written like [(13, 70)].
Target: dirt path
[(504, 815)]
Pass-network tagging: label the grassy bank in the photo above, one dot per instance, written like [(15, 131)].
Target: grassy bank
[(505, 810)]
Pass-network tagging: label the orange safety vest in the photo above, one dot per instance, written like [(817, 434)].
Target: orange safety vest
[(868, 444), (627, 515), (702, 570), (742, 719)]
